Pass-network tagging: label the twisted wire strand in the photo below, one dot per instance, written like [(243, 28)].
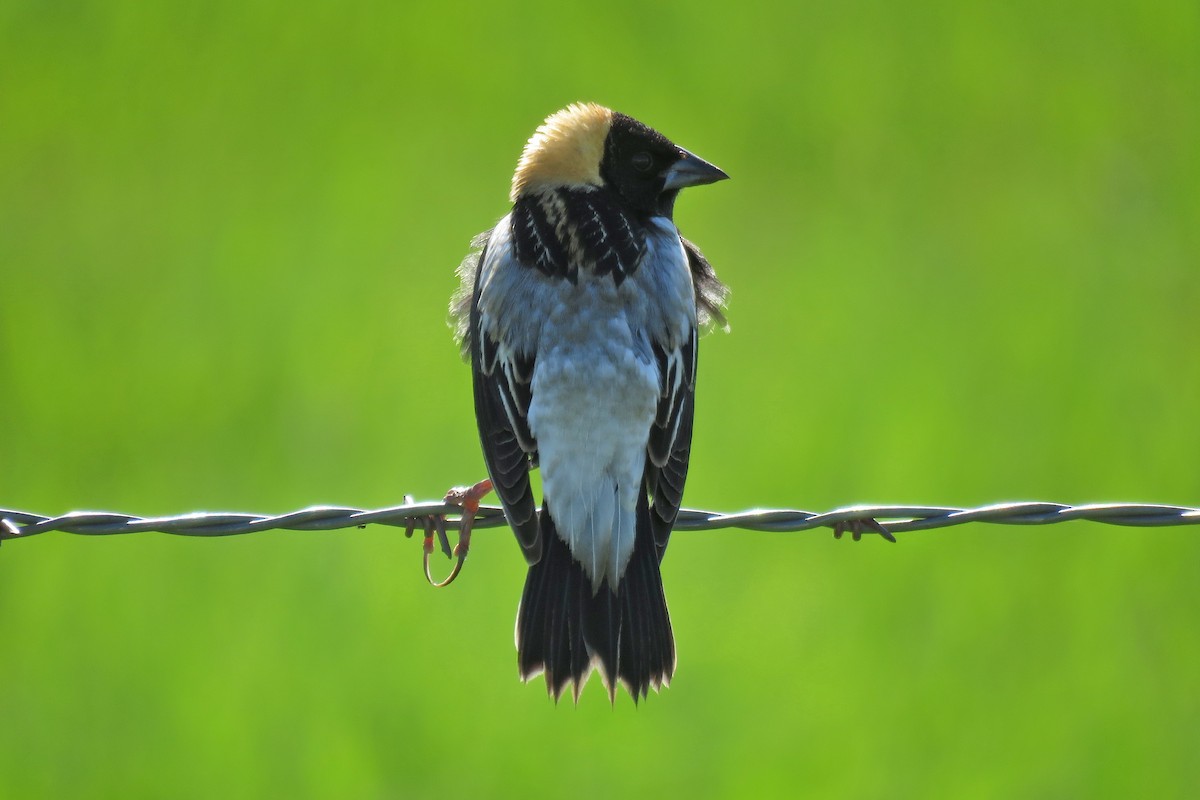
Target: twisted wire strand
[(897, 518)]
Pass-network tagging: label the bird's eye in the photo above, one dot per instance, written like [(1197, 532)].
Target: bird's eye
[(642, 161)]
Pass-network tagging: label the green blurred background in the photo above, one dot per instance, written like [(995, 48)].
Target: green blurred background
[(964, 252)]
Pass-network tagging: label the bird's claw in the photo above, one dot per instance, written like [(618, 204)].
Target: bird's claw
[(467, 498), (859, 526)]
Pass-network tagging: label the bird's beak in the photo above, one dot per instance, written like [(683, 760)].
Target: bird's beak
[(691, 170)]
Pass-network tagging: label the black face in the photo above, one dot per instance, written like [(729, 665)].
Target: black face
[(635, 158)]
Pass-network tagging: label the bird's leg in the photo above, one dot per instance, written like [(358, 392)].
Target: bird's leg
[(467, 498), (859, 526)]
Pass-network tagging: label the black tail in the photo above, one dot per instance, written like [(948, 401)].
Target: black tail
[(563, 629)]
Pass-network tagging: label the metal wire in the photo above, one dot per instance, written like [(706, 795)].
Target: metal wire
[(897, 519)]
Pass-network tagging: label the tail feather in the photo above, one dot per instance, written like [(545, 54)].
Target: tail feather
[(601, 620), (564, 629)]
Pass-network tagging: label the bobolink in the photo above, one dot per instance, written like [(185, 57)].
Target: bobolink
[(580, 313)]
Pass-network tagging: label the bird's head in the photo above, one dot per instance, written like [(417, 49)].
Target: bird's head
[(588, 146)]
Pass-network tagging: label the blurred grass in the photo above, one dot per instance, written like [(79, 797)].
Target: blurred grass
[(963, 247)]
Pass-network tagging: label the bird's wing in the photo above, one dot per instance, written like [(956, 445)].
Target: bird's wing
[(502, 394), (670, 444)]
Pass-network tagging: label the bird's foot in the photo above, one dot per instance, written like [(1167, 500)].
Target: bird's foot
[(467, 498), (858, 527)]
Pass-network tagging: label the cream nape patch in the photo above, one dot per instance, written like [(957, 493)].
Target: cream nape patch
[(565, 150)]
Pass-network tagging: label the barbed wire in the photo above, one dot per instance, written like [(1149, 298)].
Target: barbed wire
[(896, 518)]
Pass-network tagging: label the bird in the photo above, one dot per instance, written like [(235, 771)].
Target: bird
[(579, 313)]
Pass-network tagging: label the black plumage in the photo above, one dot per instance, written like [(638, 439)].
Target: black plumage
[(557, 229)]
